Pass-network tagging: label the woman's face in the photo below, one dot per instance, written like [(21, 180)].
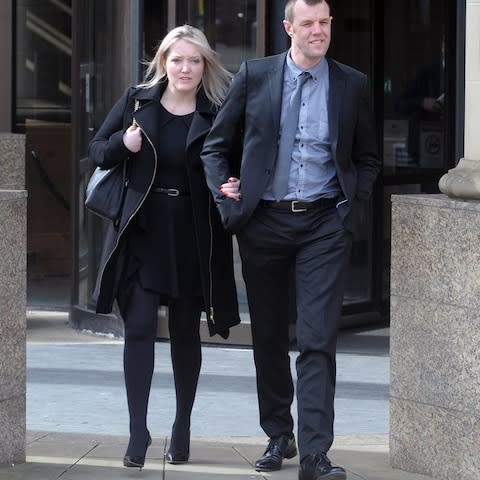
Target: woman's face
[(184, 66)]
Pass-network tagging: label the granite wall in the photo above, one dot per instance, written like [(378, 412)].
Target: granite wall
[(12, 161), (435, 336), (13, 238)]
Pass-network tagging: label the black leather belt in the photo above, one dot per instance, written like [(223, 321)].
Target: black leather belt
[(298, 206), (172, 192)]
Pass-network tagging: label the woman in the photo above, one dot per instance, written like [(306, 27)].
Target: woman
[(168, 247)]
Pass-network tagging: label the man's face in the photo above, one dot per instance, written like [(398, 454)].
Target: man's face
[(310, 31)]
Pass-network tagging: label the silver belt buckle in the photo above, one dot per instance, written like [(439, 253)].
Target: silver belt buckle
[(173, 192), (297, 210)]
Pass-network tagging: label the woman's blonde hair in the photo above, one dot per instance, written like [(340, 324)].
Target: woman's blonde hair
[(215, 79)]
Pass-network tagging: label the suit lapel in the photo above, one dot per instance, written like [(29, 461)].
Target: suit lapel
[(335, 96), (275, 79)]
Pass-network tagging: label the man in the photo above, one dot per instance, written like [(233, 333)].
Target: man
[(302, 223)]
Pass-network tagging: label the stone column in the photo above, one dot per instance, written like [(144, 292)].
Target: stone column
[(435, 337), (463, 181), (13, 247), (13, 239)]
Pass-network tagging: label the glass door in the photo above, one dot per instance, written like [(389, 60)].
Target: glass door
[(354, 31), (42, 110), (86, 227), (418, 107), (104, 64)]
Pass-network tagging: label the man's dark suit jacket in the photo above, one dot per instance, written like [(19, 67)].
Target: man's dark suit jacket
[(247, 128)]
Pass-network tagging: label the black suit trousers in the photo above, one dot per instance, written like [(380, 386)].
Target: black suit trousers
[(315, 246)]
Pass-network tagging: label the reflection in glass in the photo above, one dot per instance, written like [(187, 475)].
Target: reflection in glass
[(415, 96), (235, 27), (43, 61), (231, 27)]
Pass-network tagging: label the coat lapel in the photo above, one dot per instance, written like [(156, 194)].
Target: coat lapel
[(202, 119), (200, 127), (335, 96), (147, 98)]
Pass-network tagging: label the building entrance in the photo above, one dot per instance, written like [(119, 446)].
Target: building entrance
[(408, 49)]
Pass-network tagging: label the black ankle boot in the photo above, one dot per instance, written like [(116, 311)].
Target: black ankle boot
[(137, 461)]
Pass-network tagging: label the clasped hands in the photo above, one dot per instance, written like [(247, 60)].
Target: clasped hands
[(231, 189)]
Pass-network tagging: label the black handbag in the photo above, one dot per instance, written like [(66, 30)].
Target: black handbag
[(106, 189)]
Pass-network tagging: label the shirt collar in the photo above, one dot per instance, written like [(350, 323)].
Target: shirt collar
[(316, 71)]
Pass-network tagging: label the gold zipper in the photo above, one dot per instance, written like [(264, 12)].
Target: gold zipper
[(210, 257), (144, 197)]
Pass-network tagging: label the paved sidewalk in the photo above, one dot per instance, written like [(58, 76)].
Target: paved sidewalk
[(77, 422), (55, 456)]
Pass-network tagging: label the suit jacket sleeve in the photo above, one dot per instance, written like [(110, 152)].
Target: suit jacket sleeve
[(222, 148), (364, 151)]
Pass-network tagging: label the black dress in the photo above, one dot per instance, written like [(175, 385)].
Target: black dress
[(162, 246)]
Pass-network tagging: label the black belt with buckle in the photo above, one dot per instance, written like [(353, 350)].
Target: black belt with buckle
[(171, 192), (298, 206)]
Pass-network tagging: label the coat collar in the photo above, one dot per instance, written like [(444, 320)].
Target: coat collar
[(202, 118)]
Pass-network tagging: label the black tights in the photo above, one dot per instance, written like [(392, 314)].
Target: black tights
[(140, 318)]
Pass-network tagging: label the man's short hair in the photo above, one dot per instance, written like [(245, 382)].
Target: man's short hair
[(291, 3)]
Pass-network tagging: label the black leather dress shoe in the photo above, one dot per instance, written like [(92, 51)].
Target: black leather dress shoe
[(278, 448), (176, 458), (319, 467), (137, 462)]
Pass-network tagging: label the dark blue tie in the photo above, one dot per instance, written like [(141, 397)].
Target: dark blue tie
[(287, 139)]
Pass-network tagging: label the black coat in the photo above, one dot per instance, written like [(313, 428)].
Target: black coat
[(214, 244)]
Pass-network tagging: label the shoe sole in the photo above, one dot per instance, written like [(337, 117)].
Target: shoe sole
[(177, 462), (266, 469), (133, 465), (331, 476)]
